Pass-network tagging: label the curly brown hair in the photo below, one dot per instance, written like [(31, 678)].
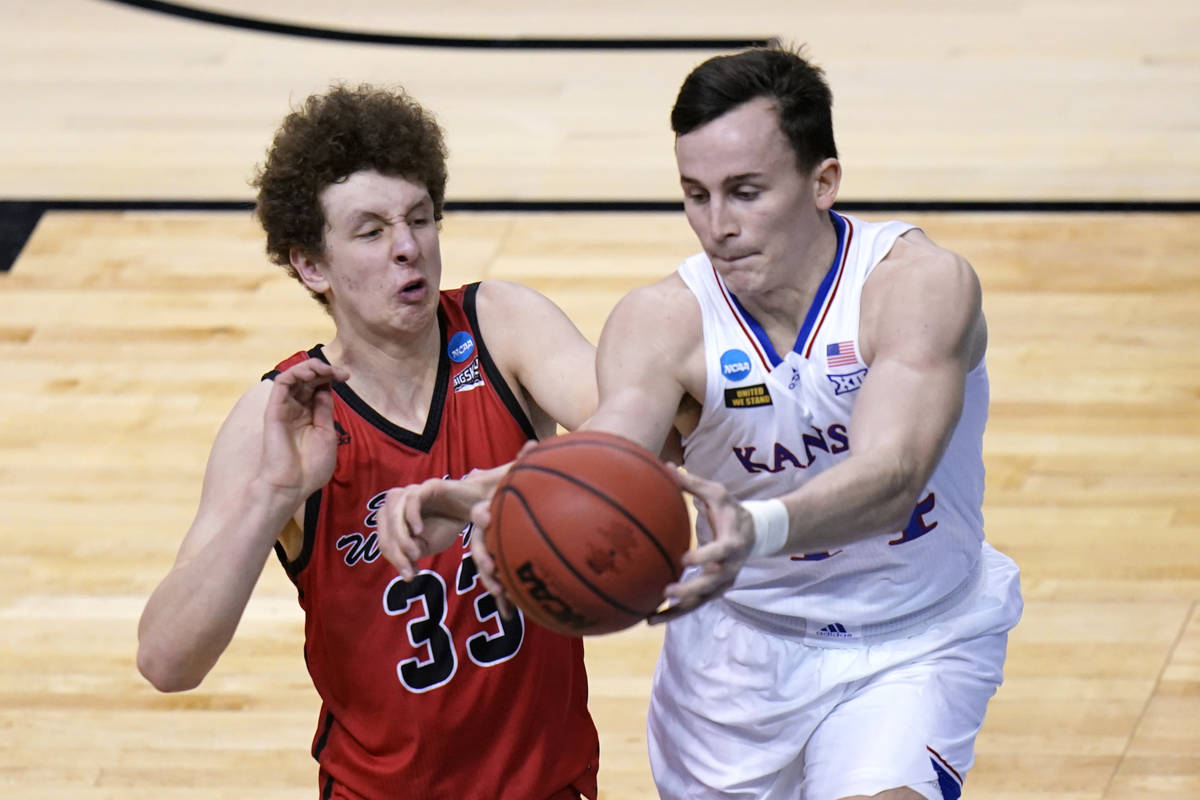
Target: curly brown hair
[(326, 140)]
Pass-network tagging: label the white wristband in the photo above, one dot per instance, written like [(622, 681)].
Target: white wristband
[(770, 526)]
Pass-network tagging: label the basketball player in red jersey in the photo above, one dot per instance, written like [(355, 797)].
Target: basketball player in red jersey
[(426, 691)]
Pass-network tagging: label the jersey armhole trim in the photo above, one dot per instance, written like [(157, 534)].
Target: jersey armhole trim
[(312, 509), (489, 366)]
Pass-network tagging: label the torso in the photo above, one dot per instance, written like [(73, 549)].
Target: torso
[(419, 677), (770, 421)]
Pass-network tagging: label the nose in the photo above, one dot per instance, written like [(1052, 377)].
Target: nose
[(404, 244), (722, 222)]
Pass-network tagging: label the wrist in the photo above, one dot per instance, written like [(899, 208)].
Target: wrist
[(770, 519)]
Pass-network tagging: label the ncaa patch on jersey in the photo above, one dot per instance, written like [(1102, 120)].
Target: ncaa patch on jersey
[(747, 396), (460, 347), (468, 378), (850, 382), (735, 365)]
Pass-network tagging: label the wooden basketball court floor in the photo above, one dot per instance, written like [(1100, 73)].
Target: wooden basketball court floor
[(127, 334)]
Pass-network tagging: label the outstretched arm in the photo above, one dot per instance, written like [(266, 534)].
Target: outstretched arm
[(922, 330), (277, 446), (533, 341)]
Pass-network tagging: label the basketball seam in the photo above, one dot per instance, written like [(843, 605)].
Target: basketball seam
[(612, 502), (630, 447), (566, 562)]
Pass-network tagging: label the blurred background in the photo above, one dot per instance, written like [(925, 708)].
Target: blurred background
[(1054, 144)]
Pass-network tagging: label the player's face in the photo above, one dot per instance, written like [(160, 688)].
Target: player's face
[(754, 212), (382, 259)]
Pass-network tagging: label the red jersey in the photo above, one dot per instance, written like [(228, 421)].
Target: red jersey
[(426, 692)]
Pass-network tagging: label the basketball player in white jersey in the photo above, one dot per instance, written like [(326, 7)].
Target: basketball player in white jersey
[(847, 623), (828, 378)]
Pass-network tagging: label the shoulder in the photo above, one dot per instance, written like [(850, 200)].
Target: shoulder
[(662, 304), (501, 301), (920, 273), (656, 329), (498, 292), (921, 290), (518, 323), (915, 257), (247, 413)]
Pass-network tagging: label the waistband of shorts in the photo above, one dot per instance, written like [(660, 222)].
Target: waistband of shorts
[(842, 634)]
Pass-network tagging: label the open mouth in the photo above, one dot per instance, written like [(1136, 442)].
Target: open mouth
[(414, 289)]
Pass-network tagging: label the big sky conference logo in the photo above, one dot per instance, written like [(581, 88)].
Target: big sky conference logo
[(461, 348)]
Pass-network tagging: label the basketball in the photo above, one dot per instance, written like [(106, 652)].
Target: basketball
[(587, 529)]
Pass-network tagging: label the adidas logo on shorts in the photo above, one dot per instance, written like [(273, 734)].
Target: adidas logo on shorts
[(835, 630)]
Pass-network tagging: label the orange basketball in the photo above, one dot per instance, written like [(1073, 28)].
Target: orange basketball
[(587, 528)]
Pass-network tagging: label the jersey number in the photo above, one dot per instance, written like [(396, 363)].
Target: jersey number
[(499, 640)]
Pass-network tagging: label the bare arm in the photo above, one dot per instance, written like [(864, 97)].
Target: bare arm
[(275, 448), (532, 339), (646, 361), (922, 330)]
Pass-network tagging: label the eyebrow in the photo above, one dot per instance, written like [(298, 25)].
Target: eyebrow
[(360, 216), (732, 179)]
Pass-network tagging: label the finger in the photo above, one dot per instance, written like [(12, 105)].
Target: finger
[(674, 610), (525, 448), (485, 567), (299, 373), (696, 485), (323, 407), (507, 609), (487, 573), (402, 509), (411, 512), (396, 557), (311, 373), (717, 551), (481, 515), (677, 474), (316, 366), (394, 541), (710, 580)]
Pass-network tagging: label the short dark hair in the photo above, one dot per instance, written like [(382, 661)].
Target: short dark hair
[(798, 87), (330, 137)]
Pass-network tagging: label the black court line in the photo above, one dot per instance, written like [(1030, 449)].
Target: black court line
[(418, 40), (17, 221), (18, 218)]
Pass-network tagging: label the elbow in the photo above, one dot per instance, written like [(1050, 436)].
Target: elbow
[(904, 484), (164, 675)]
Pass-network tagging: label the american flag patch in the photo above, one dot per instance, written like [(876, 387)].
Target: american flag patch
[(840, 354)]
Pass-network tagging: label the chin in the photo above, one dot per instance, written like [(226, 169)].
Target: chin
[(741, 280)]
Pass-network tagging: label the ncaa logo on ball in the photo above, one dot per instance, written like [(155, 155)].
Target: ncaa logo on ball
[(735, 365), (461, 347)]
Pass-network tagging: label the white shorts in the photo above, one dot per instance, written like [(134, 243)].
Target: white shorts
[(736, 712)]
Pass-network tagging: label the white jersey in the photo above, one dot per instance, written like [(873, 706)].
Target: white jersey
[(770, 423)]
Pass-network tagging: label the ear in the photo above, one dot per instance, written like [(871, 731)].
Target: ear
[(827, 178), (310, 271)]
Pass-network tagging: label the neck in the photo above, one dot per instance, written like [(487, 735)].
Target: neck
[(395, 377), (782, 309)]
